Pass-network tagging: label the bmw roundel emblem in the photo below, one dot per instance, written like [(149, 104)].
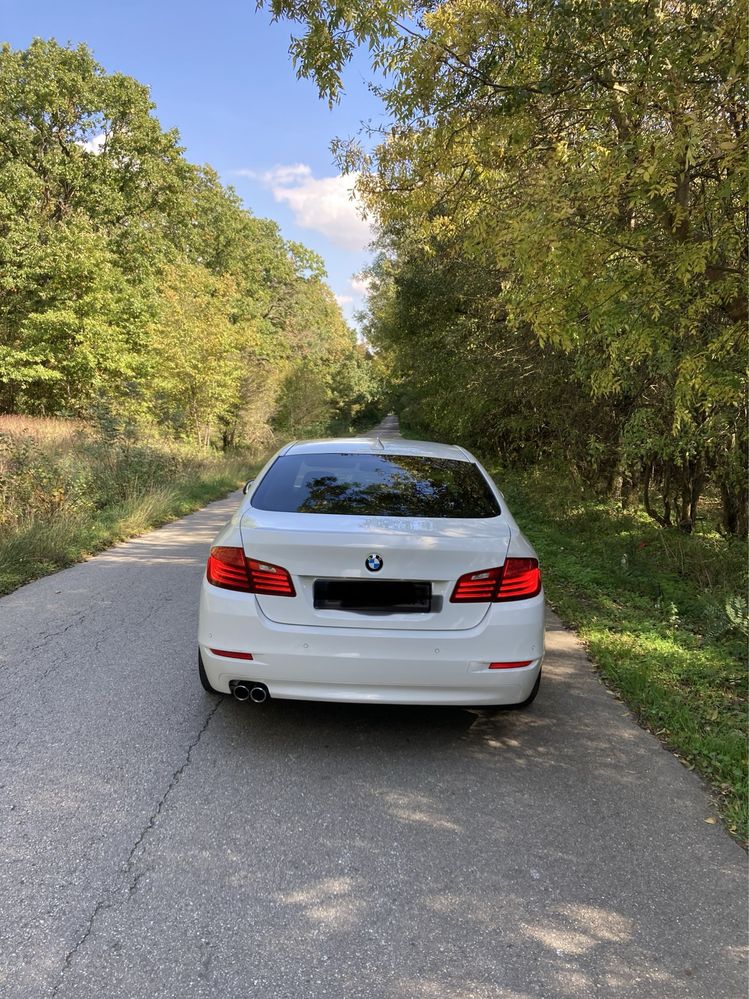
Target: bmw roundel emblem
[(373, 562)]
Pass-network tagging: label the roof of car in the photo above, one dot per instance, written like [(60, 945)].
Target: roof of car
[(373, 445)]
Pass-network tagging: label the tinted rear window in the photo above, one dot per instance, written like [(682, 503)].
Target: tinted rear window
[(375, 485)]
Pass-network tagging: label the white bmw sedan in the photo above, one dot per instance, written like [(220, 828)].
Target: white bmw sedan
[(360, 571)]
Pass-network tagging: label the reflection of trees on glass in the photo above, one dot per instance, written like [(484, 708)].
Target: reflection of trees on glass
[(406, 486)]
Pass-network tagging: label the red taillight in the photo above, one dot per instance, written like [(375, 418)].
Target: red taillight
[(269, 579), (524, 662), (521, 579), (227, 569), (230, 569), (231, 655), (517, 579), (476, 587)]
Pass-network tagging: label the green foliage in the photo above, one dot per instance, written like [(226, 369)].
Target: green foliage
[(561, 197), (135, 285), (333, 31), (358, 388), (196, 376)]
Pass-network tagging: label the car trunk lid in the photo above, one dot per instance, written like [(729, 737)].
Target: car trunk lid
[(327, 557)]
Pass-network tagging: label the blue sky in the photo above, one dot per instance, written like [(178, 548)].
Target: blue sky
[(220, 73)]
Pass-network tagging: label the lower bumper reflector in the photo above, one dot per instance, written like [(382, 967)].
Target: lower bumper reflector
[(526, 662)]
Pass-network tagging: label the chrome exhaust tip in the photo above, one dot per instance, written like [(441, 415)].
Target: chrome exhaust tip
[(258, 694), (241, 692)]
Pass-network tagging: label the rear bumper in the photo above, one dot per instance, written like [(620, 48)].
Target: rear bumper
[(373, 665)]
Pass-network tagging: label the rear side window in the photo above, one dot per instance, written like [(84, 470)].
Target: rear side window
[(396, 485)]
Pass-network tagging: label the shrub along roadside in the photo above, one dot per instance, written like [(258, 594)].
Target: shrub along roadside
[(63, 504), (663, 616)]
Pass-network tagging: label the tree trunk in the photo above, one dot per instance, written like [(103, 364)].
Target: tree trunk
[(647, 474), (667, 495), (625, 493), (697, 485), (735, 514), (684, 522)]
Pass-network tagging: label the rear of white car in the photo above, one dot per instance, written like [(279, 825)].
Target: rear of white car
[(357, 571)]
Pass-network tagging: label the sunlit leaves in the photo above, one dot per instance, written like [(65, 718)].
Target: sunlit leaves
[(134, 283), (592, 158)]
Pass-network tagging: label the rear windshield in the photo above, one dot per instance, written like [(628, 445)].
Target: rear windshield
[(395, 485)]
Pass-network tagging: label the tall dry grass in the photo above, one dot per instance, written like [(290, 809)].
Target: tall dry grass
[(67, 491), (49, 432)]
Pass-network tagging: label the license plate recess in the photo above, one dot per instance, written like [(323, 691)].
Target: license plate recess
[(373, 596)]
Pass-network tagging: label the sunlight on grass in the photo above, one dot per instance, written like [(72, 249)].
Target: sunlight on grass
[(663, 616)]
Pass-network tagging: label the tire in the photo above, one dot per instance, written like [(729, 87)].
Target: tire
[(530, 698), (515, 707), (204, 678)]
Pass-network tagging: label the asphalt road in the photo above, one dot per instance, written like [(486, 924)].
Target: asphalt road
[(159, 842)]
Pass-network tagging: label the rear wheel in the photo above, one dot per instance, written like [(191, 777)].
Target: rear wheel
[(520, 704), (204, 677), (530, 698)]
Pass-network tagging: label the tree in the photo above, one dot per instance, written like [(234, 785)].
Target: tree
[(196, 375), (135, 282), (88, 185), (592, 156)]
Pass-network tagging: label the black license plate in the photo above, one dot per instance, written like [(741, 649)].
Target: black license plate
[(382, 596)]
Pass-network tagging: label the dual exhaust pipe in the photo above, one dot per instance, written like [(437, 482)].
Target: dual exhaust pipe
[(255, 692)]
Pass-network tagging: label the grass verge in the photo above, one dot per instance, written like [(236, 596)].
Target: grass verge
[(663, 617), (65, 504)]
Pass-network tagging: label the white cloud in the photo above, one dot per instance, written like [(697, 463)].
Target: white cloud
[(344, 299), (94, 145), (360, 284), (324, 204), (278, 175)]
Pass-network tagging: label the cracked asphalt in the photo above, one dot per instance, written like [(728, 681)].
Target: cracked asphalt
[(158, 842)]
